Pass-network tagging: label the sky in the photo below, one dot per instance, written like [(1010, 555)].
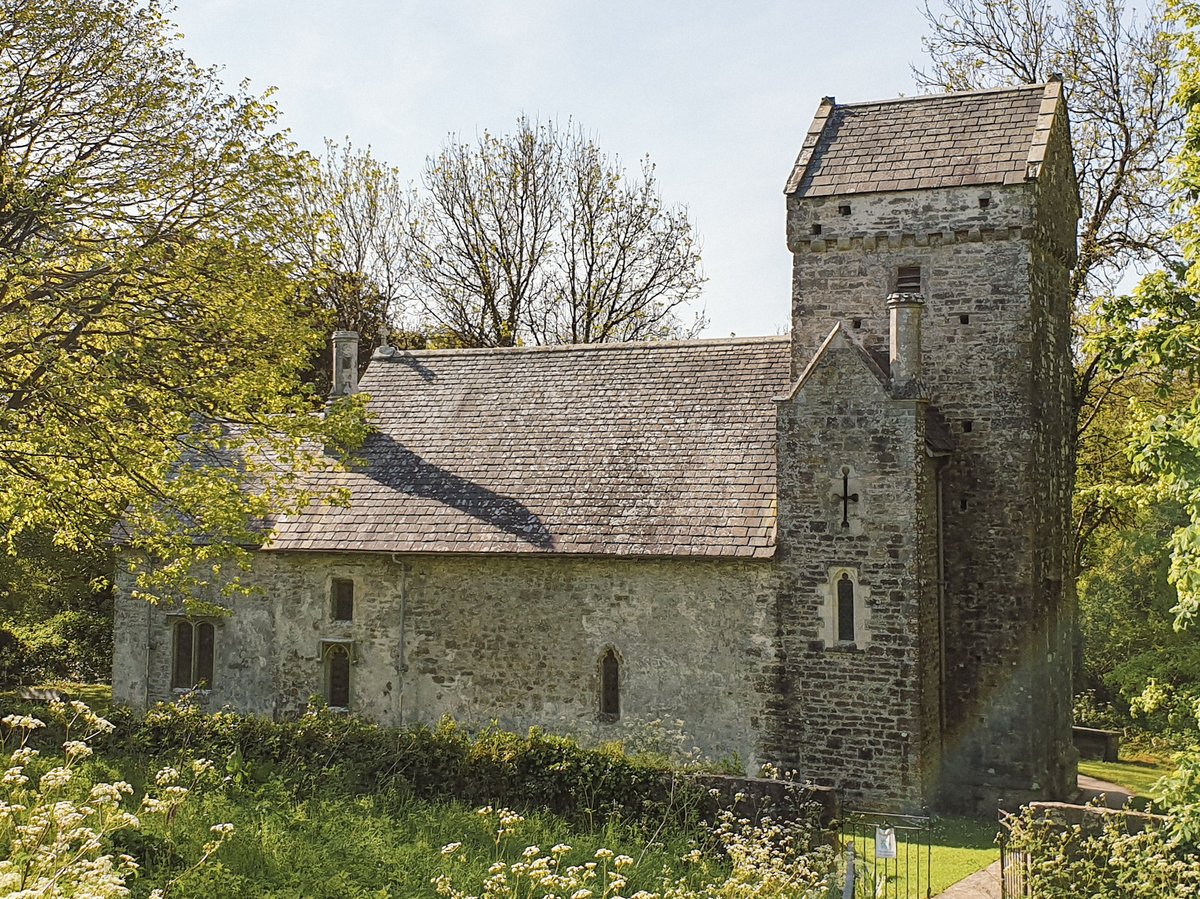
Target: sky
[(717, 94)]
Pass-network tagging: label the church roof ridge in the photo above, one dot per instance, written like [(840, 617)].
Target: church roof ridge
[(611, 346), (1038, 87)]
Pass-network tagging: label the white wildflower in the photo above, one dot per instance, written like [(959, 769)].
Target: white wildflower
[(77, 749), (14, 777), (22, 722), (166, 776), (55, 778)]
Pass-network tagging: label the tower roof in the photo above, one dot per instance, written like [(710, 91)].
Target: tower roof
[(940, 140)]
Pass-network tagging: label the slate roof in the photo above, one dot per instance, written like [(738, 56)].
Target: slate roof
[(940, 140), (650, 449)]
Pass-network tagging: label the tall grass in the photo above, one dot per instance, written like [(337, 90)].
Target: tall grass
[(385, 845)]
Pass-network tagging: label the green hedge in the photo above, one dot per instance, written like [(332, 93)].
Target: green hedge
[(538, 770)]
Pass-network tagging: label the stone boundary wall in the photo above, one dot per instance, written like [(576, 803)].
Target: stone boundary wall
[(1067, 814), (757, 797)]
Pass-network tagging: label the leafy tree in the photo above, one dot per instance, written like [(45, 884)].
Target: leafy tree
[(56, 612), (146, 315), (1126, 618), (353, 249), (538, 236), (1120, 83), (1158, 327)]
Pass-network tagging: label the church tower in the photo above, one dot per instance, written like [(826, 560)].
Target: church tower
[(933, 240)]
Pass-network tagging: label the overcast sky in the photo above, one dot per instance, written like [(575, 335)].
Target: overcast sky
[(718, 94)]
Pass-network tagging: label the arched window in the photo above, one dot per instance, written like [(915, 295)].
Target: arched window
[(194, 648), (845, 609), (337, 676), (610, 686)]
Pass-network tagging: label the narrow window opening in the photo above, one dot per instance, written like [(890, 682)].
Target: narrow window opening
[(610, 686), (343, 599), (968, 426), (181, 674), (962, 504), (908, 279), (856, 322), (337, 677), (964, 319), (205, 639), (844, 209), (845, 609), (985, 202), (816, 229), (194, 645)]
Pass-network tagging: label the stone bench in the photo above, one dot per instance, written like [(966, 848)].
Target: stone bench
[(1094, 743)]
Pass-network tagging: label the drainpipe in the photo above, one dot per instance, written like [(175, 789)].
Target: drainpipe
[(402, 665), (941, 595)]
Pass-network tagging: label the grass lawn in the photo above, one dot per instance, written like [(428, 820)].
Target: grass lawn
[(97, 696), (961, 846), (1137, 773)]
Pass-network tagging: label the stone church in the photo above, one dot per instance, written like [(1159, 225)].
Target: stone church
[(844, 551)]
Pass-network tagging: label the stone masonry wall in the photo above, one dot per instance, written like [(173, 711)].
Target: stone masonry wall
[(852, 715), (994, 361), (1054, 256), (510, 639)]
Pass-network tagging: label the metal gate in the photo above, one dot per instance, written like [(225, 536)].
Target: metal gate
[(886, 856), (1014, 868)]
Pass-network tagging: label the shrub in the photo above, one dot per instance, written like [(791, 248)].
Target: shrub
[(493, 767), (75, 644), (1108, 856)]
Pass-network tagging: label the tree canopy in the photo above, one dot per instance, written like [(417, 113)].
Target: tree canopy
[(146, 310), (353, 250), (1157, 328), (1116, 59), (538, 236)]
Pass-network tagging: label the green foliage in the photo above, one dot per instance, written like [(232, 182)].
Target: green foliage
[(1126, 620), (55, 613), (73, 644), (1157, 329), (331, 845), (146, 313), (1103, 859), (537, 770)]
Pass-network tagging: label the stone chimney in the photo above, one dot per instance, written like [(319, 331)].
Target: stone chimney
[(905, 350), (345, 363)]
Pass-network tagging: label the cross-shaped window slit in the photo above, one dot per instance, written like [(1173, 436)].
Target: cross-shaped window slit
[(847, 497)]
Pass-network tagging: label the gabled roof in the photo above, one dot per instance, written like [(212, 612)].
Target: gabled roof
[(939, 140), (840, 338), (649, 449)]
